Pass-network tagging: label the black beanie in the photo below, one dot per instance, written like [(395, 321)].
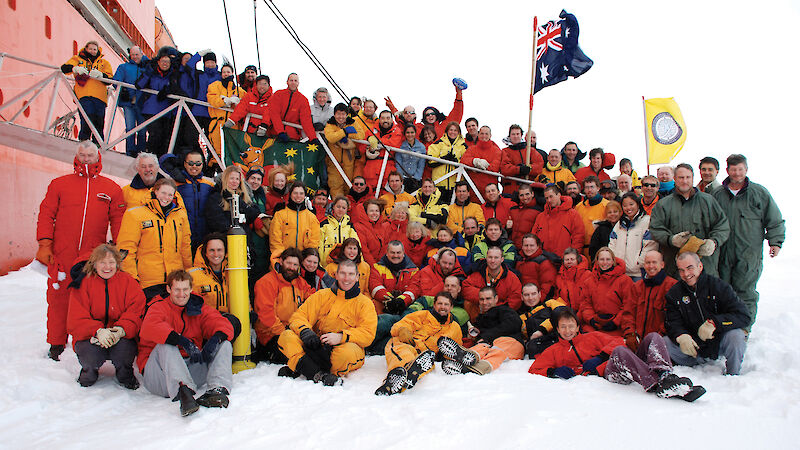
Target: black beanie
[(210, 56)]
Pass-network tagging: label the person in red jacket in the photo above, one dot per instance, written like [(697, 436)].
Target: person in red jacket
[(390, 278), (73, 219), (497, 206), (105, 313), (185, 344), (484, 155), (289, 105), (559, 226), (537, 267), (431, 279), (415, 246), (597, 353), (523, 215), (371, 229), (605, 294), (646, 305), (495, 273), (572, 277), (598, 160), (512, 161), (254, 102)]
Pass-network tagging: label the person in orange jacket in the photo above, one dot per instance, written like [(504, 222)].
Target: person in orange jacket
[(492, 271), (645, 309), (536, 266), (462, 208), (605, 294), (74, 218), (289, 105), (256, 101), (411, 351), (523, 215), (371, 230), (484, 155), (339, 132), (389, 280), (559, 226), (87, 66), (105, 313), (184, 345), (441, 265), (572, 276), (513, 164), (328, 333), (223, 93)]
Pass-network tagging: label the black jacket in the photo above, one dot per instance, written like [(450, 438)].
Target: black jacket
[(713, 299), (498, 322)]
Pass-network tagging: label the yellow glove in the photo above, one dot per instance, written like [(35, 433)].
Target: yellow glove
[(706, 330), (693, 245), (405, 335), (688, 345), (373, 142)]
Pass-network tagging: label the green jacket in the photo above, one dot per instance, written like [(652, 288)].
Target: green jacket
[(753, 216), (700, 215)]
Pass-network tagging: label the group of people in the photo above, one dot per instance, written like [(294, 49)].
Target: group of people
[(582, 273)]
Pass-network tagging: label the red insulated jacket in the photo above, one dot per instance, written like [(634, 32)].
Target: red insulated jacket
[(395, 230), (416, 251), (570, 282), (383, 282), (274, 198), (645, 308), (164, 317), (523, 216), (76, 212), (605, 295), (573, 353), (373, 238), (430, 279), (292, 107), (500, 210), (584, 172), (507, 286), (512, 157), (560, 227), (539, 270), (489, 151), (253, 103), (99, 303)]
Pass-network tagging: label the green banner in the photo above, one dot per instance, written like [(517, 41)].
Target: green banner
[(249, 150)]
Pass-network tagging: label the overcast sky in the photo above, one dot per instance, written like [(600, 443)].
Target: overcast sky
[(731, 66)]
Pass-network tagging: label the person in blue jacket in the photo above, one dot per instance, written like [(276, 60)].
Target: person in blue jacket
[(130, 100), (410, 166), (195, 191), (159, 76), (195, 84)]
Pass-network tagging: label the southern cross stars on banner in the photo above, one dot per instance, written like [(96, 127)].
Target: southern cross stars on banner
[(557, 53)]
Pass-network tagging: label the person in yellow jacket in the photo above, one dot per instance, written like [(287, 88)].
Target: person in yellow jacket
[(328, 333), (278, 294), (591, 209), (293, 226), (139, 191), (210, 272), (451, 147), (339, 132), (156, 239), (535, 313), (87, 67), (555, 172), (411, 351), (350, 250), (222, 94), (462, 208), (427, 208), (335, 228), (396, 195)]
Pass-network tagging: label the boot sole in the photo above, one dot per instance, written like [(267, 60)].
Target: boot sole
[(694, 393), (395, 380), (191, 409), (217, 401), (451, 350), (451, 367), (419, 367)]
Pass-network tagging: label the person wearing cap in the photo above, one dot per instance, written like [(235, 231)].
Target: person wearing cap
[(255, 102), (289, 105), (222, 93), (608, 190), (247, 79), (203, 79), (321, 109), (339, 132)]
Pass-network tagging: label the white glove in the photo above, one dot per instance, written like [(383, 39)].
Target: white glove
[(96, 74), (110, 89), (261, 131), (226, 100), (680, 239), (78, 70), (229, 124), (480, 163), (706, 330), (204, 52), (234, 100), (688, 345), (118, 333), (707, 248), (105, 337)]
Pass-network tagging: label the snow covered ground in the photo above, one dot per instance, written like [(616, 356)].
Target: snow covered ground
[(44, 406)]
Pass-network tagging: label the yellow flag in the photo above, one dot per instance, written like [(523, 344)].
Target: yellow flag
[(666, 131)]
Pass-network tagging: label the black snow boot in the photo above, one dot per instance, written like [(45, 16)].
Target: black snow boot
[(285, 371), (88, 377), (55, 352), (419, 368), (394, 383), (453, 351), (327, 379), (188, 403), (694, 393), (307, 367), (671, 385), (214, 398)]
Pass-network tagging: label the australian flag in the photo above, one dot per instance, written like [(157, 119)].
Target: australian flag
[(557, 53)]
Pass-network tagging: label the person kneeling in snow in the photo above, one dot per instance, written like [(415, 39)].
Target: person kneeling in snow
[(328, 333), (411, 351), (597, 353), (185, 344), (105, 310)]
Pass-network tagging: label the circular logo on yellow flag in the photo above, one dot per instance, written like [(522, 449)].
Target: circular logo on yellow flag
[(665, 128)]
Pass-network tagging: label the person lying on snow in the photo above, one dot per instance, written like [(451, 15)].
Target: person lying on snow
[(597, 353)]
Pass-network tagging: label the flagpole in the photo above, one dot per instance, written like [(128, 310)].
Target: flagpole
[(533, 82), (646, 137)]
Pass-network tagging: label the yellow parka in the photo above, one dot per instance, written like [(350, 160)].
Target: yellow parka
[(457, 213), (333, 232), (427, 330), (363, 275), (154, 244), (89, 87), (216, 91), (141, 196), (206, 284), (433, 207), (336, 311), (590, 213), (293, 226), (343, 151), (558, 174), (445, 149)]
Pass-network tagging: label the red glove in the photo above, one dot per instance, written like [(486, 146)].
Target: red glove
[(632, 341), (45, 253), (258, 223)]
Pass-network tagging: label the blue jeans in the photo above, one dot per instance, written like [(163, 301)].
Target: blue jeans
[(96, 110), (732, 347), (133, 117)]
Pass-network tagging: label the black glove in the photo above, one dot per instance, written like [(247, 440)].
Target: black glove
[(283, 137), (210, 349), (194, 353), (394, 306), (590, 365), (561, 372), (124, 96), (319, 126), (609, 326), (524, 170), (449, 157), (162, 95), (310, 339), (315, 141)]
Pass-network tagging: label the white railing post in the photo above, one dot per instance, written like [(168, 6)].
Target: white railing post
[(51, 107)]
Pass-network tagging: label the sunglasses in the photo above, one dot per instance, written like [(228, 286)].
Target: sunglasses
[(649, 184), (359, 184), (192, 163), (430, 114)]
